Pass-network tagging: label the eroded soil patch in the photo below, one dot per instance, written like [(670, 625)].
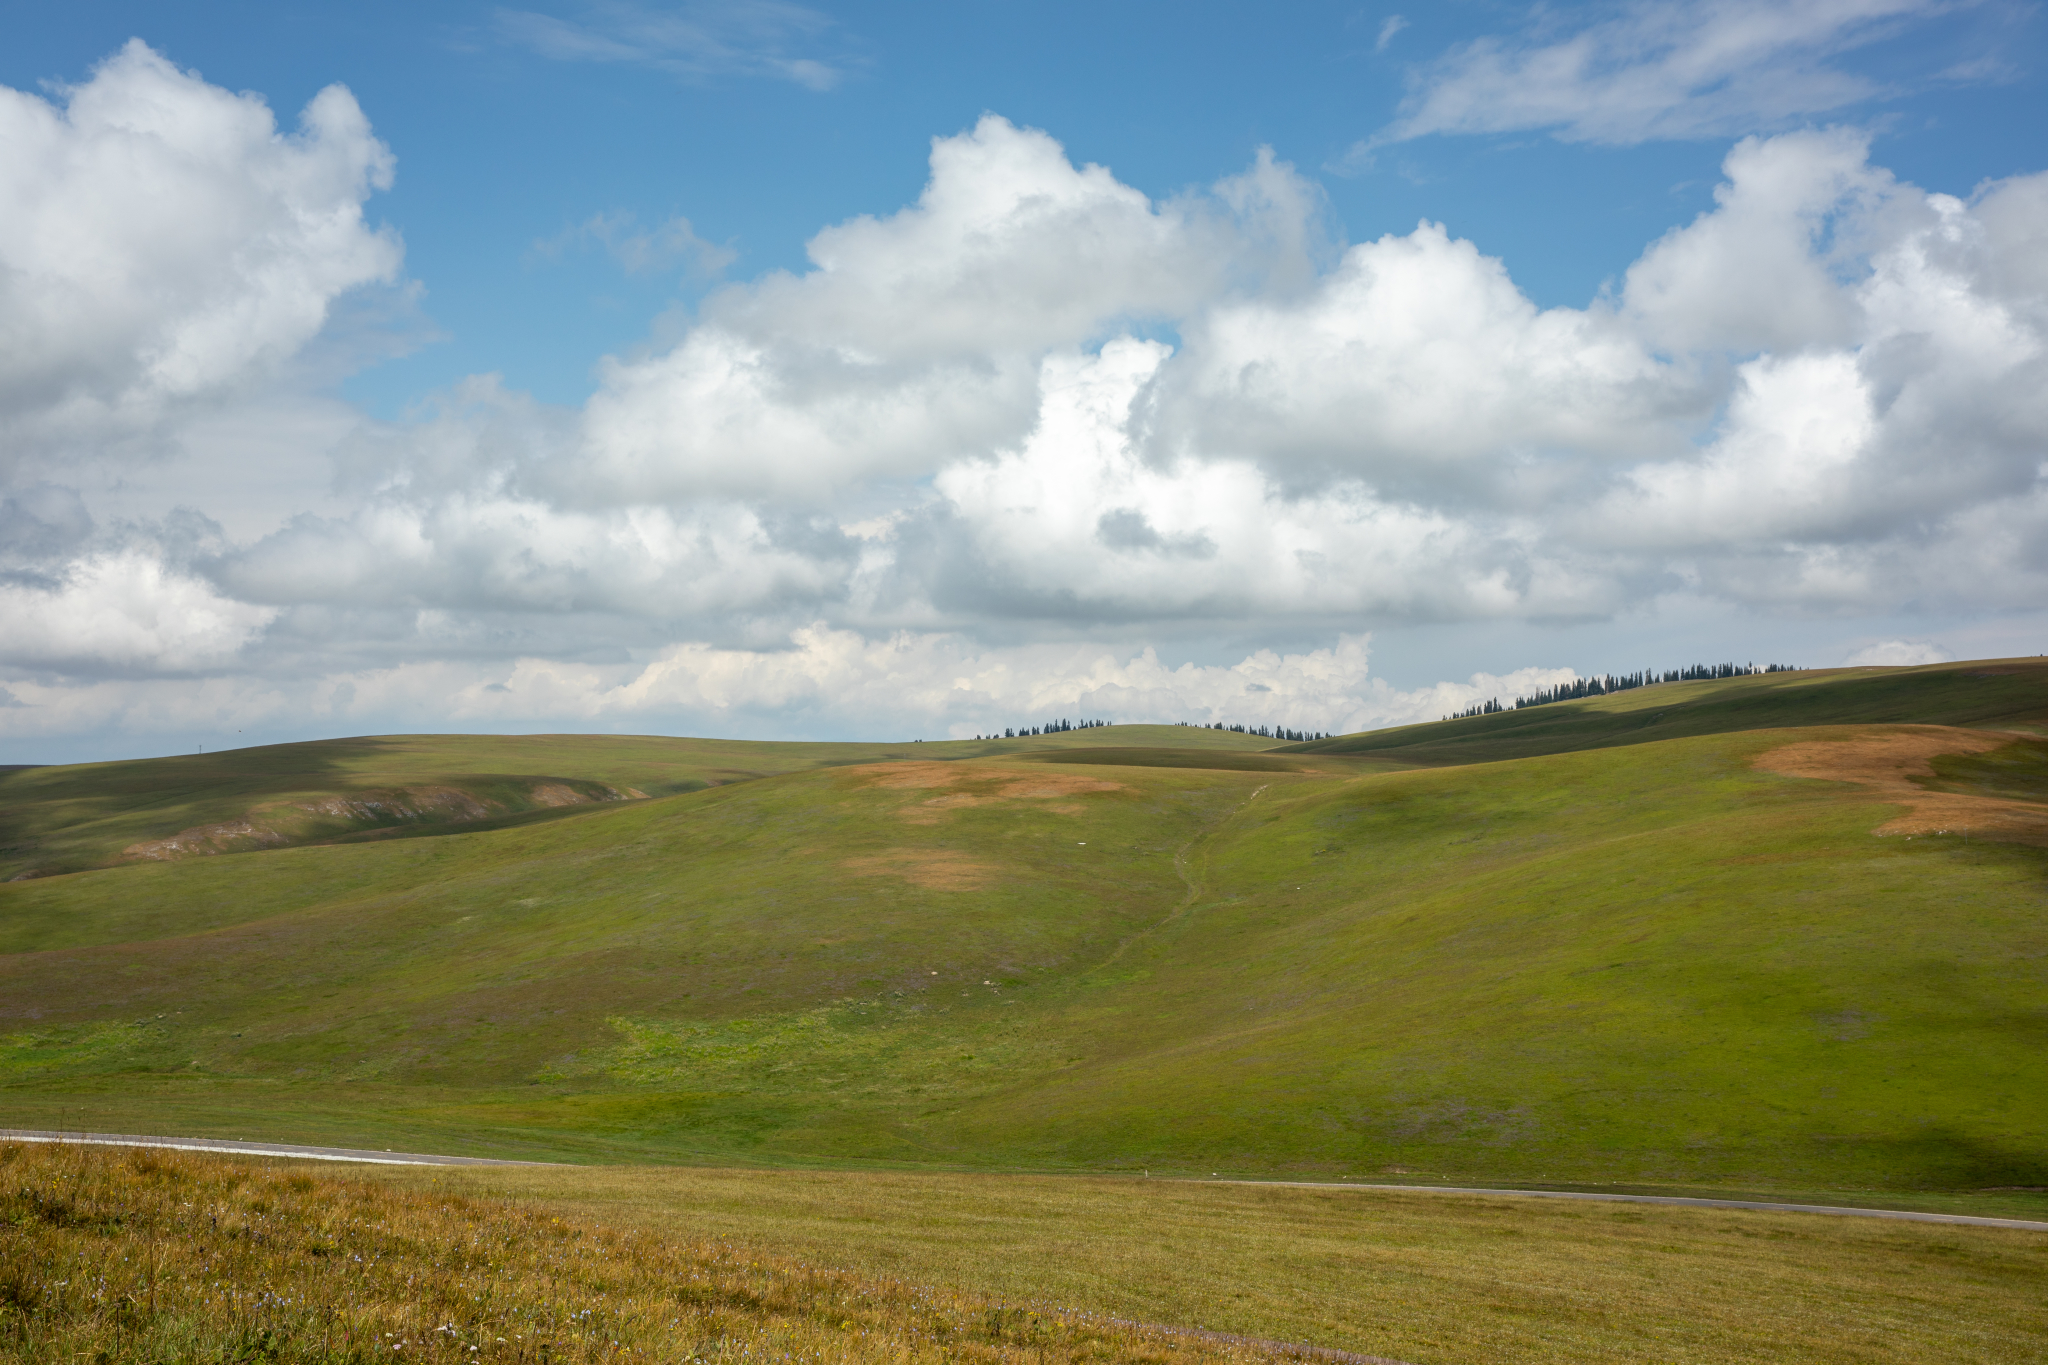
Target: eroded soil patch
[(935, 869), (964, 787), (280, 823), (1894, 763)]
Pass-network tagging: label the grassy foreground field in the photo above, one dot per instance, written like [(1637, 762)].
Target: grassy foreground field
[(1691, 960), (160, 1256), (1418, 1277)]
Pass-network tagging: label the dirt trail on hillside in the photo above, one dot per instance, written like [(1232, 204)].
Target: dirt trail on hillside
[(1886, 764)]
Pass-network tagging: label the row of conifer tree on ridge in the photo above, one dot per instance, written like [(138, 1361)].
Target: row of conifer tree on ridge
[(1051, 727), (1602, 684), (1265, 731), (1055, 727)]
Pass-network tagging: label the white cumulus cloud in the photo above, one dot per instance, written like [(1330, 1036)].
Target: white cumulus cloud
[(993, 457), (1897, 654), (124, 612), (162, 243)]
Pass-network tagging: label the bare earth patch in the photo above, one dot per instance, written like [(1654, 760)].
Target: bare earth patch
[(558, 794), (895, 776), (411, 803), (935, 869), (1886, 764), (407, 804), (229, 836), (975, 786)]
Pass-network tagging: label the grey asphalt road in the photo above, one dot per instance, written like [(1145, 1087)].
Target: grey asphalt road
[(1902, 1215), (187, 1144), (390, 1158)]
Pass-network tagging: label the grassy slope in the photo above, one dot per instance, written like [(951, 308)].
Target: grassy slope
[(1421, 1277), (67, 818), (153, 1256), (482, 959), (1647, 962), (1997, 694)]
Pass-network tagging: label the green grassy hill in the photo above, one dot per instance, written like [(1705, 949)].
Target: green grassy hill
[(1641, 959), (69, 818), (1998, 694)]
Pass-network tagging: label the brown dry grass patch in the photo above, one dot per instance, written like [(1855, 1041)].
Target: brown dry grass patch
[(935, 869), (967, 786), (1887, 764), (1421, 1276), (158, 1256)]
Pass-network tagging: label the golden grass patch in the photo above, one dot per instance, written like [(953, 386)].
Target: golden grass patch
[(1422, 1276), (1887, 764), (155, 1256), (935, 869), (967, 786), (909, 776)]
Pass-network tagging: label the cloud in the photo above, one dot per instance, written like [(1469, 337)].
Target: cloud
[(164, 246), (1415, 365), (1393, 24), (1657, 69), (642, 251), (965, 466), (917, 338), (946, 424), (817, 680), (125, 612), (693, 41), (1897, 654), (1887, 448), (1763, 270)]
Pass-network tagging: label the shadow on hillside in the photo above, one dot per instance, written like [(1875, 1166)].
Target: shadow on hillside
[(1940, 1158), (72, 818)]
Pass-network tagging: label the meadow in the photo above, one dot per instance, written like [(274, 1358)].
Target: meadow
[(989, 1015), (143, 1255), (162, 1256), (1655, 963), (71, 818)]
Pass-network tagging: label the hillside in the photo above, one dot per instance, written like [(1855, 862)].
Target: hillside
[(1996, 694), (1689, 959), (67, 819)]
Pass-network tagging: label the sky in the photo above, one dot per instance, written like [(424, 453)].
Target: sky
[(779, 370)]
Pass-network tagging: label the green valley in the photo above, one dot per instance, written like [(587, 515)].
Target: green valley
[(1617, 940)]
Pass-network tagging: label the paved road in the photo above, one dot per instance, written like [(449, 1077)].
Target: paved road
[(389, 1158), (1900, 1214), (185, 1144)]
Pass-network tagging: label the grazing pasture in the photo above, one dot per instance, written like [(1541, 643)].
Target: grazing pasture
[(163, 1256), (144, 1255), (1808, 956)]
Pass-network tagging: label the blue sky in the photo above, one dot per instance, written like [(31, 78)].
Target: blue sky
[(672, 510)]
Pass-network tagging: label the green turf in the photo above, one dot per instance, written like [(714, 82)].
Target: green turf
[(68, 818), (2003, 694), (1164, 756), (1641, 962)]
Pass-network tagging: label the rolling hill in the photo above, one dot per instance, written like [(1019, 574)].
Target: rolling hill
[(1654, 937), (62, 819)]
